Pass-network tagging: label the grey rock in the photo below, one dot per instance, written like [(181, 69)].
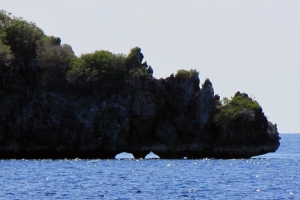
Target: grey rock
[(172, 118)]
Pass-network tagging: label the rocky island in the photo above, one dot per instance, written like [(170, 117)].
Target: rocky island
[(54, 104)]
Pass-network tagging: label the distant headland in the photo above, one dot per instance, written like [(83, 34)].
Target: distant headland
[(54, 104)]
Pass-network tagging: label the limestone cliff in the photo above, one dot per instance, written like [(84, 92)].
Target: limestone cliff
[(54, 104), (172, 117)]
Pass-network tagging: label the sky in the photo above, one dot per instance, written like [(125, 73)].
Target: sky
[(250, 46)]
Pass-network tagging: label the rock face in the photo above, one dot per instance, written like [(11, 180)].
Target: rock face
[(54, 104), (171, 117)]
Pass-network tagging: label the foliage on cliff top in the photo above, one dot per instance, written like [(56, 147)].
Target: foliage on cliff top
[(20, 35), (105, 68), (229, 109), (5, 55), (24, 46), (186, 74), (100, 66), (27, 52)]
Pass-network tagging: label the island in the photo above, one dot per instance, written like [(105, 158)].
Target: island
[(56, 105)]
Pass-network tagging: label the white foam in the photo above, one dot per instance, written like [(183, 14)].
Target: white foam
[(151, 155), (124, 155)]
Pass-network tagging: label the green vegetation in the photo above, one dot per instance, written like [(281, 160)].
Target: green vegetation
[(229, 109), (25, 52), (92, 67), (5, 55), (21, 36), (105, 68), (54, 60), (138, 73), (136, 70), (186, 74), (134, 58)]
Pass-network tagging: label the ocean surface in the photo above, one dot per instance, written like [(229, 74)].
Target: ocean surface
[(270, 176)]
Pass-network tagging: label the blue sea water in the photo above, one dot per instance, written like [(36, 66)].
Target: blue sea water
[(270, 176)]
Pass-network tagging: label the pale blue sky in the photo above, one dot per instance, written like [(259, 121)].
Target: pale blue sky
[(250, 46)]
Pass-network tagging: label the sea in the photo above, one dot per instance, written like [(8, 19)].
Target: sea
[(270, 176)]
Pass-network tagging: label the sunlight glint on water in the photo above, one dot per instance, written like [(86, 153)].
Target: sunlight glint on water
[(270, 176)]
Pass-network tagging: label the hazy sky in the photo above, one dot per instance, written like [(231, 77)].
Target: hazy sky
[(248, 46)]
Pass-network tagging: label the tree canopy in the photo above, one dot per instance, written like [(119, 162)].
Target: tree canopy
[(230, 109), (26, 50), (21, 36), (186, 74)]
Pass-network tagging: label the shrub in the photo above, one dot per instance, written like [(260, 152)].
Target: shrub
[(134, 66), (117, 71), (5, 59), (5, 55), (229, 109), (76, 73), (101, 66), (186, 74), (54, 59), (95, 65), (4, 19), (20, 35), (134, 58), (139, 73)]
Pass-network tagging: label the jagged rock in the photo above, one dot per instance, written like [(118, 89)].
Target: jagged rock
[(170, 117), (54, 104)]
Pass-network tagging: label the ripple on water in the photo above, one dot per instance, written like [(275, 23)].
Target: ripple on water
[(271, 176)]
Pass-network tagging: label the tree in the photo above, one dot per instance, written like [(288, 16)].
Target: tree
[(5, 59), (231, 109), (134, 58), (4, 19), (186, 74), (101, 67), (54, 59), (21, 36), (5, 55)]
